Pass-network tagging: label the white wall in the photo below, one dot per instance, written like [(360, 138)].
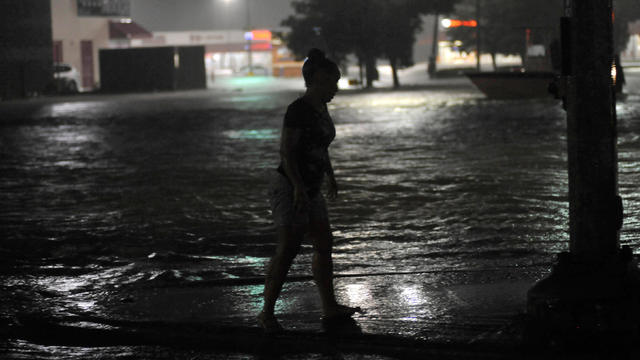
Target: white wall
[(71, 29)]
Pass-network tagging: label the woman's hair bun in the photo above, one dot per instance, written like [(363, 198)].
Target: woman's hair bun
[(315, 54)]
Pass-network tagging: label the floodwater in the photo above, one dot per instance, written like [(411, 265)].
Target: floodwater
[(98, 192)]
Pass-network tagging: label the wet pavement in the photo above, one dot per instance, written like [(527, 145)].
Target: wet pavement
[(136, 226)]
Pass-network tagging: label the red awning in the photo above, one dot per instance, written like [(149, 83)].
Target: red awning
[(127, 30)]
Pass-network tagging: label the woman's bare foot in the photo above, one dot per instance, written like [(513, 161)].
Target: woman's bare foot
[(269, 323), (341, 311)]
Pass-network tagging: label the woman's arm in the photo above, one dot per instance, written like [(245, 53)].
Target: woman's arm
[(288, 147), (332, 185)]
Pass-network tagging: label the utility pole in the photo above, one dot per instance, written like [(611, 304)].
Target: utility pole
[(593, 290), (434, 48), (249, 38), (478, 35)]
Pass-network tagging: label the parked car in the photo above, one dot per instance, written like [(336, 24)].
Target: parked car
[(257, 70), (66, 79)]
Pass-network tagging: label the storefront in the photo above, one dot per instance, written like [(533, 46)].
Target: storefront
[(227, 52)]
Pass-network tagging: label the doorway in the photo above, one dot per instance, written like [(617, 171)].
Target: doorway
[(86, 54)]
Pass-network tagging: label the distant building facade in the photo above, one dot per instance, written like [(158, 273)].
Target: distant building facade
[(25, 40), (226, 51), (82, 27), (632, 52)]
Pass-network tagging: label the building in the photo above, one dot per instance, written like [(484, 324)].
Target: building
[(25, 39), (632, 52), (82, 27), (226, 51)]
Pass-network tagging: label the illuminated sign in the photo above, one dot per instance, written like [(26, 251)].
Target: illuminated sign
[(106, 8), (449, 23), (261, 35), (261, 46), (258, 35)]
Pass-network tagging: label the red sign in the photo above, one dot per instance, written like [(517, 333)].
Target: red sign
[(449, 23), (261, 46)]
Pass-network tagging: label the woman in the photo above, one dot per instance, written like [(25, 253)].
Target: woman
[(296, 202)]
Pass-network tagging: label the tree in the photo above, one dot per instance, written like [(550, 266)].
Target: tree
[(369, 29), (319, 24), (396, 41)]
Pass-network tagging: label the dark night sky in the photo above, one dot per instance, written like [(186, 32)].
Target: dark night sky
[(176, 15)]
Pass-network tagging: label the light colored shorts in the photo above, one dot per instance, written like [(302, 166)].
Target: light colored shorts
[(281, 200)]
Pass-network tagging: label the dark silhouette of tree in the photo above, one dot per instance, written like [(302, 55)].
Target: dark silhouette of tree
[(398, 37), (368, 29), (320, 24), (400, 22), (366, 24)]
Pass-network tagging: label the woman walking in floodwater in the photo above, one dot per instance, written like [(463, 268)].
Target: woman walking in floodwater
[(296, 202)]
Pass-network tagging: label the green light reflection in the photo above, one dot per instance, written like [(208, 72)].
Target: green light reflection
[(252, 134)]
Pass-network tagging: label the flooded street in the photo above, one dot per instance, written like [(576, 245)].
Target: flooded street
[(104, 192)]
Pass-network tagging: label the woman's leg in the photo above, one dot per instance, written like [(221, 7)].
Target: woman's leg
[(289, 240), (322, 265)]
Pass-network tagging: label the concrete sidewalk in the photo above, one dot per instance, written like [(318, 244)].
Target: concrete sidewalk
[(449, 313), (456, 314)]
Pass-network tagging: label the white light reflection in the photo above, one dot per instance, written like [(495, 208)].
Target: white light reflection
[(358, 293), (72, 287), (415, 99), (392, 101), (75, 109), (412, 298), (86, 305), (412, 295), (72, 135), (412, 302), (64, 284)]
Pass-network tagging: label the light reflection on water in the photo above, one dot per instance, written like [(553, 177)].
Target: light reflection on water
[(358, 293), (429, 180), (257, 134), (411, 295), (80, 109)]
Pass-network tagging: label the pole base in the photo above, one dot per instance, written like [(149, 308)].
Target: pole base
[(584, 303), (431, 67)]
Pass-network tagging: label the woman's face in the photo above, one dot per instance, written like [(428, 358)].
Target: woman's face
[(326, 84)]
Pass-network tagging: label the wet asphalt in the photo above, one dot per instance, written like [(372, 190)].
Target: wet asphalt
[(459, 312)]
